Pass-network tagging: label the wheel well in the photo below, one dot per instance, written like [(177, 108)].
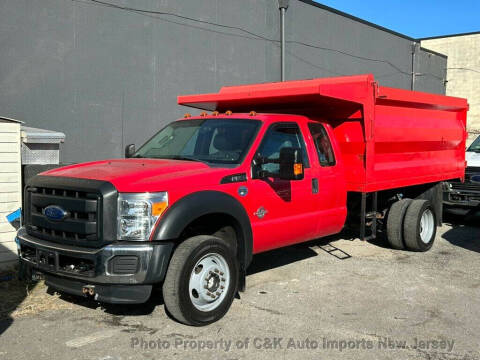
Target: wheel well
[(218, 224)]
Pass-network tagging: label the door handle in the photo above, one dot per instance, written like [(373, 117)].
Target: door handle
[(314, 186)]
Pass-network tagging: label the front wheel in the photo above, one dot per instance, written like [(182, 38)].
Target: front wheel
[(201, 280)]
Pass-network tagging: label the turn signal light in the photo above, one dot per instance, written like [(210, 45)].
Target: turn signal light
[(297, 169), (158, 208)]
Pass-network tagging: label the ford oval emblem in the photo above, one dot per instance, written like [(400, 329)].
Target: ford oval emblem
[(55, 213), (475, 179)]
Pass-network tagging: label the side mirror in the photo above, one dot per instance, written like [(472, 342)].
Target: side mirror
[(291, 164), (129, 150)]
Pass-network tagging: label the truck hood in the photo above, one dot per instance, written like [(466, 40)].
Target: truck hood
[(473, 159), (142, 175)]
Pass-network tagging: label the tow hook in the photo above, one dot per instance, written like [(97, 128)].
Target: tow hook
[(88, 290)]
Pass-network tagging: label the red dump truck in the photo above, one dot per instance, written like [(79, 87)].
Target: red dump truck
[(271, 165)]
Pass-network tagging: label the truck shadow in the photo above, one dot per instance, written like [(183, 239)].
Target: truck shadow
[(261, 262), (280, 257), (13, 291), (465, 231), (471, 218)]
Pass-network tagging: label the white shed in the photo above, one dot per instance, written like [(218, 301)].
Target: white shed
[(10, 187)]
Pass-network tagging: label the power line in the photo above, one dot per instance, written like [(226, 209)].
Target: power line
[(314, 65), (88, 2), (349, 54), (252, 36), (143, 11), (463, 68), (178, 16), (276, 43)]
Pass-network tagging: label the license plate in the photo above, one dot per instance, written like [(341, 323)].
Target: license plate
[(36, 276)]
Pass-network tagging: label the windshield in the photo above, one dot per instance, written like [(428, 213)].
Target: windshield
[(223, 141), (475, 146)]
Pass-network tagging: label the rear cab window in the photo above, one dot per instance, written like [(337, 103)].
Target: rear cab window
[(326, 156)]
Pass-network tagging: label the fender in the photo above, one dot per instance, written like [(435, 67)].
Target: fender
[(192, 206)]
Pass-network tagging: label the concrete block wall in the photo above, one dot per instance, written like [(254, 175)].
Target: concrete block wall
[(463, 72)]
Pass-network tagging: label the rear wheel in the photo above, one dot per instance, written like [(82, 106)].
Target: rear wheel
[(420, 226), (395, 219), (201, 280)]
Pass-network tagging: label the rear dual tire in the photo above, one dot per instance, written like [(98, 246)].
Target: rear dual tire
[(411, 225), (419, 226), (396, 216)]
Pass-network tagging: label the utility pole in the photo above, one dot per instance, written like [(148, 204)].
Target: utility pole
[(283, 6)]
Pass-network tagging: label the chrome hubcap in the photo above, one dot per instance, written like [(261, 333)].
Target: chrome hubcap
[(427, 225), (209, 282)]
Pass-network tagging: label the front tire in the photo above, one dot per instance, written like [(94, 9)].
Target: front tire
[(201, 280), (420, 226)]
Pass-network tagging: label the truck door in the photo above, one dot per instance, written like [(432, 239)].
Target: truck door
[(328, 176), (283, 212)]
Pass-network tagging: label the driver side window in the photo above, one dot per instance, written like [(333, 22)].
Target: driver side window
[(278, 136)]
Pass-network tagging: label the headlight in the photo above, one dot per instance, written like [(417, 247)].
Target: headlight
[(138, 213)]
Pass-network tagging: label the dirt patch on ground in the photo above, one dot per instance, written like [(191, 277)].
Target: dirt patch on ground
[(21, 298)]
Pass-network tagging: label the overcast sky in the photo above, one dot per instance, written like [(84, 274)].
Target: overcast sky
[(415, 18)]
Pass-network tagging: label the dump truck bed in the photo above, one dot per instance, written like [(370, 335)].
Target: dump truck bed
[(389, 138)]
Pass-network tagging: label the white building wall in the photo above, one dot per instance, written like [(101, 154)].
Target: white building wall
[(10, 188)]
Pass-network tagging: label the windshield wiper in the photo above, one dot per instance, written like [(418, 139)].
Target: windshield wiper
[(187, 158)]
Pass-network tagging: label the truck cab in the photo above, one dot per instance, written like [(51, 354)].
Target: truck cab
[(269, 180)]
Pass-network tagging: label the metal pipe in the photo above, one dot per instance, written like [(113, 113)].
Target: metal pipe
[(414, 50), (283, 6), (282, 42)]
